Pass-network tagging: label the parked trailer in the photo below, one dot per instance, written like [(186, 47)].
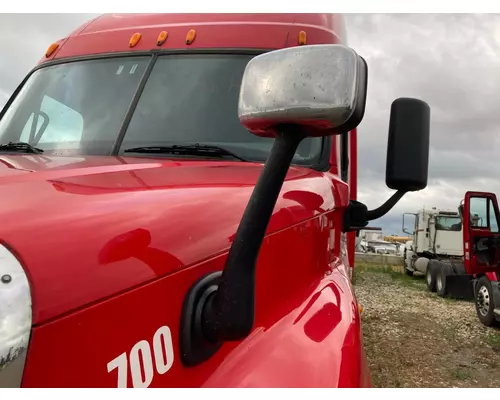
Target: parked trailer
[(179, 204)]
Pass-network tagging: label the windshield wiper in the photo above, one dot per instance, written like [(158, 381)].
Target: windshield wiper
[(190, 149), (22, 147)]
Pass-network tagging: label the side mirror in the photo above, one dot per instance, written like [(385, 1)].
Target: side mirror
[(319, 88), (404, 227), (407, 160), (408, 145), (287, 94)]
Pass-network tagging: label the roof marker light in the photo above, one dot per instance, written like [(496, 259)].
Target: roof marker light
[(53, 47), (302, 38), (134, 39), (161, 38), (190, 36)]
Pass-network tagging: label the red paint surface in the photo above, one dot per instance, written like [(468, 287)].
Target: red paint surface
[(492, 276), (189, 210), (116, 243)]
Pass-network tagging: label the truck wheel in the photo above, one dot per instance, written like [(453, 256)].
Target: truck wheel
[(430, 275), (484, 302), (444, 271)]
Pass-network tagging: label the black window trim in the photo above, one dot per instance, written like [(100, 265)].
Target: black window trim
[(322, 165), (344, 157)]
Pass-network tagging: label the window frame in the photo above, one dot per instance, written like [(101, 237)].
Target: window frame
[(344, 166), (490, 208)]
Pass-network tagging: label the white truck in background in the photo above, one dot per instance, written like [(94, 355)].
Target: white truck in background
[(436, 241)]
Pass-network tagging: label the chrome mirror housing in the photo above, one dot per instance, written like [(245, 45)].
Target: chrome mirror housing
[(319, 87)]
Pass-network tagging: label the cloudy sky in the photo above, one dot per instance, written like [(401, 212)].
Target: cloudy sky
[(450, 61)]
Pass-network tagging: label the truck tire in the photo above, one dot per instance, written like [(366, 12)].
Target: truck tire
[(483, 297), (441, 274), (430, 274)]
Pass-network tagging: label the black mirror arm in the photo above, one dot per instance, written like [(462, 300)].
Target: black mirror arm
[(357, 214), (386, 207), (220, 306)]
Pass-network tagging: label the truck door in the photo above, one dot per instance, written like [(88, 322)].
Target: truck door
[(481, 234)]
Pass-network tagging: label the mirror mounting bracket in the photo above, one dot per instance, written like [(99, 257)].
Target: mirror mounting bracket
[(357, 214)]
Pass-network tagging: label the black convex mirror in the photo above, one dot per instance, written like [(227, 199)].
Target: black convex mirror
[(408, 145), (407, 160)]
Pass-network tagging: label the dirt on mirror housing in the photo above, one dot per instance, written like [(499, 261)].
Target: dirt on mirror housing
[(414, 338)]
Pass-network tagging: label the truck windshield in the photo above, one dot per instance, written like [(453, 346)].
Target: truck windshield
[(79, 108), (449, 224)]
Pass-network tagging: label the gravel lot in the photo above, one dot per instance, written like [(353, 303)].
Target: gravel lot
[(413, 338)]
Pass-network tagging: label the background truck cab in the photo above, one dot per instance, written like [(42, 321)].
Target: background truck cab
[(179, 204), (476, 276), (436, 242)]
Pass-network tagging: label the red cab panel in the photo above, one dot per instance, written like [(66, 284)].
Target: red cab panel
[(306, 333)]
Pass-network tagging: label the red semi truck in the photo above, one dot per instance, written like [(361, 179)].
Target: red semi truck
[(179, 204), (477, 275)]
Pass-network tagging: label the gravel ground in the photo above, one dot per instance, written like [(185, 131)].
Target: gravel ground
[(413, 338)]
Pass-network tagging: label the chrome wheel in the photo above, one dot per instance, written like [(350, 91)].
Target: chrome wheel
[(483, 300)]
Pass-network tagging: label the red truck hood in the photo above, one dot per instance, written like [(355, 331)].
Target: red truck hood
[(86, 228)]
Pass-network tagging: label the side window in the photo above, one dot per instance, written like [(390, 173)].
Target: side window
[(478, 212), (493, 217), (56, 123)]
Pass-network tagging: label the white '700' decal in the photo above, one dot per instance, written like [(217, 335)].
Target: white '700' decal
[(141, 362)]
